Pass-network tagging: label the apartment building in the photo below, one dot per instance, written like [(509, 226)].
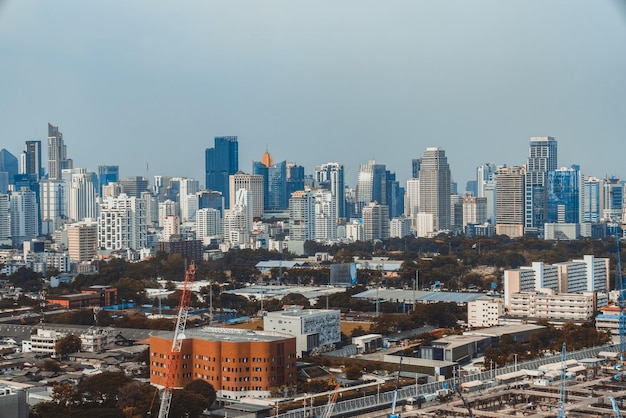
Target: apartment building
[(484, 312), (548, 304)]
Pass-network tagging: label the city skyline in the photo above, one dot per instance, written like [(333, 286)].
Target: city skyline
[(147, 87)]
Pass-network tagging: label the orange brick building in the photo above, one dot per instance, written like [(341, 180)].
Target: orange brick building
[(87, 298), (237, 363)]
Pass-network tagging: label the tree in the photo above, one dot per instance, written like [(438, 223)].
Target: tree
[(67, 345), (203, 388), (187, 404), (135, 398), (102, 389)]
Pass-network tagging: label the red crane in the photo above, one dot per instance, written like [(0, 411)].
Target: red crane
[(177, 342)]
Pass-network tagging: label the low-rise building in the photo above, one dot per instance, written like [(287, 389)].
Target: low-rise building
[(484, 312), (312, 327), (608, 319), (550, 305)]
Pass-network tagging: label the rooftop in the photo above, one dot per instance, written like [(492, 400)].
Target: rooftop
[(228, 334)]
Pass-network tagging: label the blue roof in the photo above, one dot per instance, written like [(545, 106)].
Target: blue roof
[(419, 295)]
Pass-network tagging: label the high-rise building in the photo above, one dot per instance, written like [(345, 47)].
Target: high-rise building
[(510, 201), (613, 199), (238, 220), (24, 214), (542, 158), (274, 182), (208, 223), (9, 165), (251, 182), (167, 208), (399, 227), (221, 162), (435, 187), (376, 221), (57, 153), (82, 196), (5, 220), (295, 179), (371, 185), (32, 159), (563, 191), (325, 216), (484, 174), (302, 216), (330, 177), (474, 210), (591, 199), (134, 186), (82, 238), (52, 205), (107, 174), (412, 197), (122, 223)]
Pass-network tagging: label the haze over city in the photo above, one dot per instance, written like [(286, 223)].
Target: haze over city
[(137, 83)]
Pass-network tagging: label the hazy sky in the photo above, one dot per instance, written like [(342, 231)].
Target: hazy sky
[(131, 82)]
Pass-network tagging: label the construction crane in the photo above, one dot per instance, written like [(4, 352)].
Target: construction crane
[(332, 400), (177, 342), (621, 300), (562, 391), (616, 411), (393, 414)]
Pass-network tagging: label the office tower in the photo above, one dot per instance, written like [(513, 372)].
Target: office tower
[(592, 199), (510, 201), (484, 174), (371, 185), (5, 220), (542, 157), (8, 165), (274, 182), (238, 219), (52, 205), (122, 223), (151, 205), (302, 216), (221, 162), (415, 168), (107, 174), (161, 184), (24, 214), (435, 187), (295, 179), (57, 153), (208, 224), (82, 238), (82, 196), (472, 187), (474, 210), (330, 177), (563, 191), (325, 216), (111, 190), (32, 159), (376, 221), (412, 197), (134, 186), (394, 195), (185, 187), (456, 211), (210, 199), (4, 182), (613, 199), (251, 182), (167, 208)]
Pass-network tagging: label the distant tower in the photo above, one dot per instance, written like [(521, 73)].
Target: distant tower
[(57, 153), (302, 216), (591, 200), (82, 196), (563, 191), (8, 165), (107, 174), (372, 183), (510, 201), (221, 162), (325, 216), (32, 164), (435, 187), (24, 216), (5, 220), (274, 182), (613, 198), (330, 177), (251, 182), (376, 221), (542, 157)]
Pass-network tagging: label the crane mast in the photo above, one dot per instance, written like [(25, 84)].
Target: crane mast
[(561, 413), (393, 414), (177, 342)]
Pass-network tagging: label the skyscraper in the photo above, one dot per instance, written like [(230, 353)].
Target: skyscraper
[(57, 153), (82, 196), (221, 162), (302, 216), (376, 221), (542, 157), (371, 186), (52, 205), (295, 178), (274, 182), (613, 199), (5, 220), (24, 216), (435, 187), (591, 197), (330, 177), (9, 165), (107, 174), (253, 183), (122, 223), (32, 155), (325, 216), (510, 201), (563, 191)]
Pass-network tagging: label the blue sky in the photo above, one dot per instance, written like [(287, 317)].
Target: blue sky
[(132, 82)]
